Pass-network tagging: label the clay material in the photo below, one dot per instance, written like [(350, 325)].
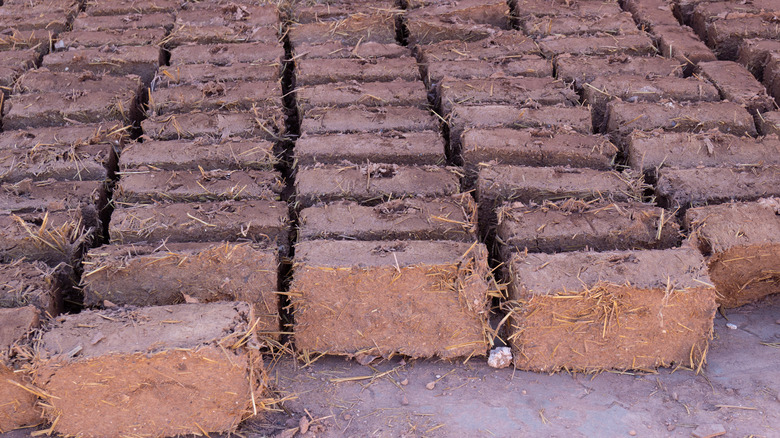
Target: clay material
[(422, 148), (708, 185)]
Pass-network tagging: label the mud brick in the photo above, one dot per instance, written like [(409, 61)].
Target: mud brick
[(501, 46), (736, 84), (227, 54), (367, 119), (21, 18), (583, 69), (648, 151), (203, 73), (117, 37), (525, 9), (492, 12), (206, 14), (418, 299), (680, 43), (725, 36), (575, 226), (339, 50), (769, 123), (634, 45), (71, 136), (373, 183), (115, 60), (712, 185), (149, 186), (531, 147), (728, 117), (334, 11), (447, 218), (520, 65), (463, 117), (742, 241), (36, 39), (630, 88), (354, 29), (124, 7), (426, 147), (618, 24), (265, 123), (38, 110), (49, 221), (20, 60), (498, 184), (431, 30), (651, 13), (227, 154), (705, 13), (683, 9), (19, 405), (324, 71), (214, 95), (160, 20), (43, 80), (259, 221), (188, 33), (369, 94), (542, 91), (33, 283), (590, 311), (62, 162), (193, 361), (754, 55), (8, 77), (154, 275)]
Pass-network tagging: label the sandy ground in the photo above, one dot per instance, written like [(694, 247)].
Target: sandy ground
[(739, 392)]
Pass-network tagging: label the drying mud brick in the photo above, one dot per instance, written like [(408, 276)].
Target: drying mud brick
[(450, 218), (123, 7), (117, 37), (367, 119), (353, 29), (590, 311), (116, 60), (369, 94), (501, 47), (227, 54), (463, 117), (372, 183), (168, 370), (205, 73), (634, 45), (525, 9), (491, 12), (681, 44), (535, 147), (618, 24), (36, 18), (310, 71), (338, 50), (498, 184), (529, 91), (39, 110), (651, 14), (769, 123), (20, 60), (421, 148), (417, 299), (711, 185), (149, 186), (634, 88), (35, 39), (32, 283), (754, 54), (186, 31), (705, 13), (45, 81), (18, 408), (725, 36), (432, 30), (575, 226), (174, 273), (728, 117), (510, 66), (52, 161), (335, 10), (130, 21), (252, 15), (648, 151), (772, 75), (65, 137), (736, 84), (228, 154), (583, 69), (215, 95), (265, 123), (743, 244), (260, 221)]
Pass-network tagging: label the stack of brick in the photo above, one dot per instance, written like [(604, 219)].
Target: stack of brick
[(198, 216), (387, 260)]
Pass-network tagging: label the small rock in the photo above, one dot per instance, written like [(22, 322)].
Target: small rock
[(731, 326), (405, 401), (304, 425), (670, 427), (365, 359), (108, 304), (632, 432), (430, 385), (708, 431), (405, 382), (347, 417), (402, 362), (675, 397), (524, 392), (438, 376), (500, 357)]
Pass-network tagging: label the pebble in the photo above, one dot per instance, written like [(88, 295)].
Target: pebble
[(430, 385), (731, 326), (524, 392), (404, 401), (708, 431), (405, 382), (632, 432)]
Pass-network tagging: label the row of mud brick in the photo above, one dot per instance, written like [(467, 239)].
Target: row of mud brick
[(165, 164)]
